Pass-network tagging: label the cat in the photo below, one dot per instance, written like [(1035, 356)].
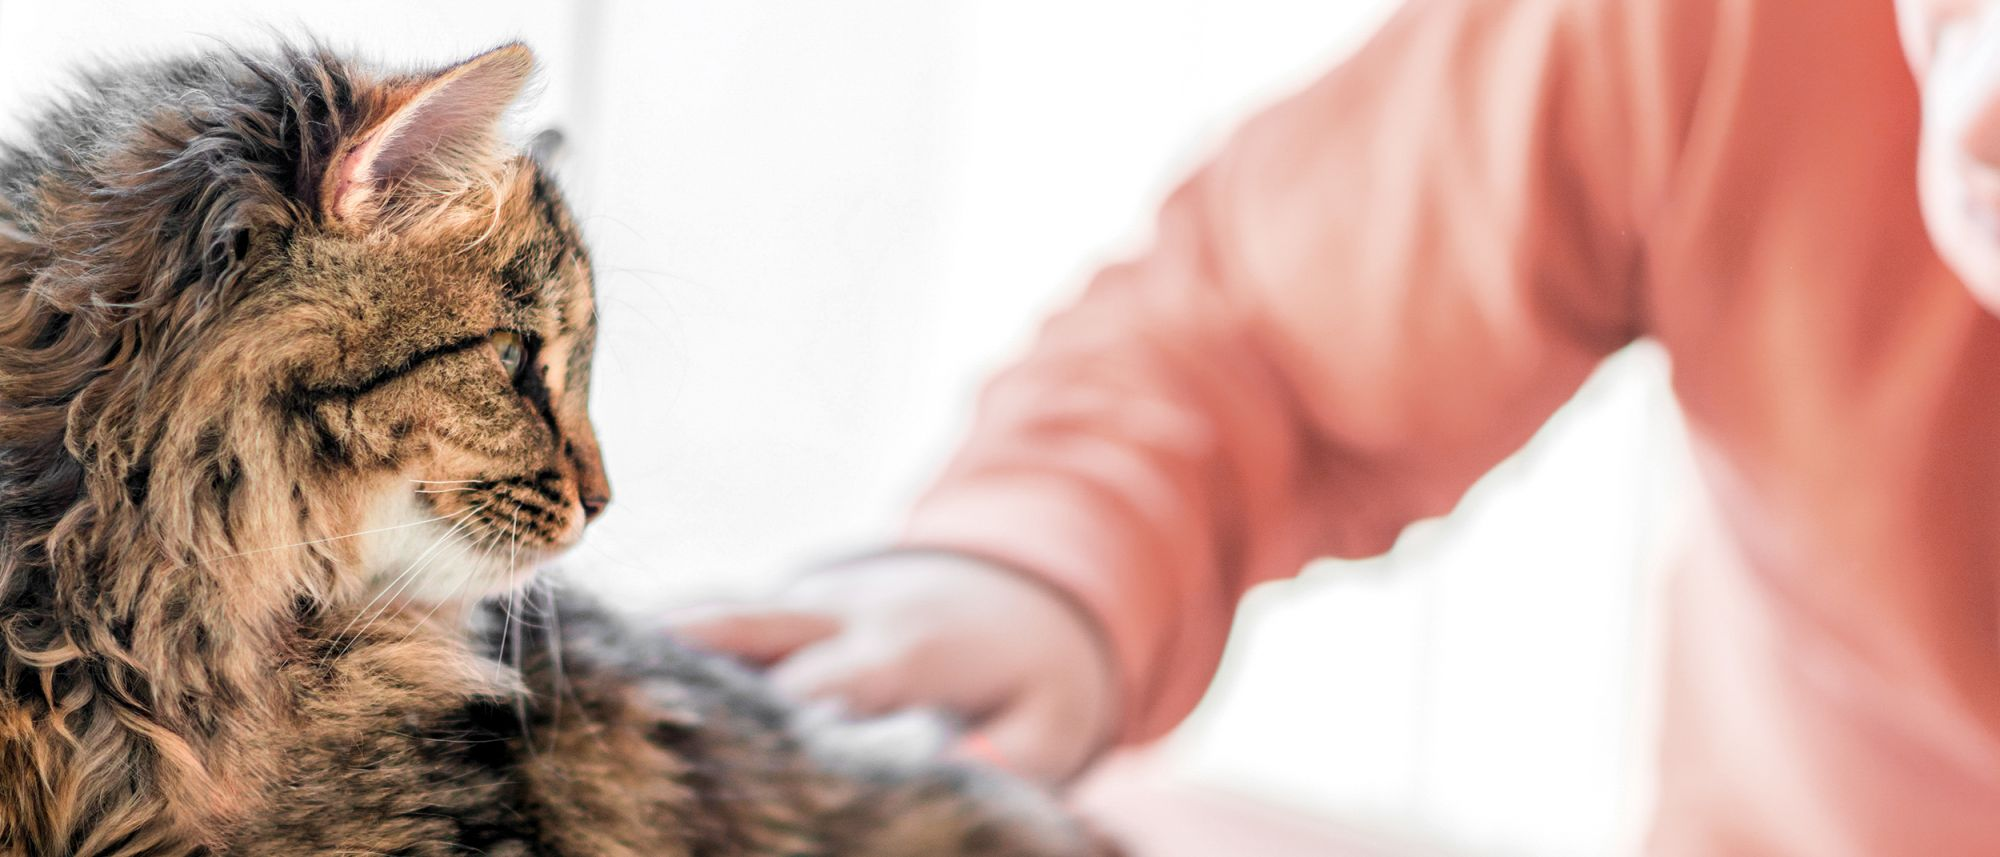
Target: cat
[(294, 362)]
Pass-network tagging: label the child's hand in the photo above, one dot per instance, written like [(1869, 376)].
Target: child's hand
[(1022, 667)]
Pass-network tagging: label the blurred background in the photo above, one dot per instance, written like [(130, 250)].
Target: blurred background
[(818, 225)]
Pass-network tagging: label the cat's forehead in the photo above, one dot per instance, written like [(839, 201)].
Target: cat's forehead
[(514, 258), (538, 248)]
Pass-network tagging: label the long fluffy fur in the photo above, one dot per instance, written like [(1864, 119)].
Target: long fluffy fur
[(129, 660), (206, 377)]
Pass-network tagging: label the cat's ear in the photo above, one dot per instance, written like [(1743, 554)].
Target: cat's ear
[(441, 130), (546, 147)]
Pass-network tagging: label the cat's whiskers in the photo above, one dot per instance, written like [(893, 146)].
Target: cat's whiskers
[(404, 577), (471, 571), (310, 542), (430, 560), (513, 601), (557, 684), (396, 585), (507, 619)]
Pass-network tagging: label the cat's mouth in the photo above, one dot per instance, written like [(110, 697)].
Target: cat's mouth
[(534, 512), (437, 545)]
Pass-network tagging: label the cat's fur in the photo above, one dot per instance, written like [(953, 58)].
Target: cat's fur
[(261, 454)]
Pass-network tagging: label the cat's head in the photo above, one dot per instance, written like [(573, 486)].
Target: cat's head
[(303, 310), (445, 349)]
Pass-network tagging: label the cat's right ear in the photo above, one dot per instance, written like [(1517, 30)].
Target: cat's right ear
[(442, 134)]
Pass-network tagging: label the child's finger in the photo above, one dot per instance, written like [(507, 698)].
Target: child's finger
[(861, 676), (1029, 741), (761, 635)]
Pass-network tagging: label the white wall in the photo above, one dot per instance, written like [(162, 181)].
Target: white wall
[(817, 224)]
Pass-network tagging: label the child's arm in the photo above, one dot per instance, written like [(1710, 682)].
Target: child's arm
[(1380, 289)]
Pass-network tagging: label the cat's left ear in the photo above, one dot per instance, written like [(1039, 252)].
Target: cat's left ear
[(546, 147), (443, 131)]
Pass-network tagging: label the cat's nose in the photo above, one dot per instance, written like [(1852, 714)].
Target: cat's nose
[(594, 503), (593, 487)]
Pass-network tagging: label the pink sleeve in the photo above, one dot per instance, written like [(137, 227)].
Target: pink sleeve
[(1379, 289)]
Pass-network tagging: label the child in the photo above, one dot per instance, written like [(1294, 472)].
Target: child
[(1385, 284)]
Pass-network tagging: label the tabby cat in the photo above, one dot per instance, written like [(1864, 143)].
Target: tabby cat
[(294, 356)]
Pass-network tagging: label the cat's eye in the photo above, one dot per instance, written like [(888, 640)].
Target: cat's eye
[(511, 350)]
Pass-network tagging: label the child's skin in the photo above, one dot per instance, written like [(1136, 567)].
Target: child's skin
[(937, 631)]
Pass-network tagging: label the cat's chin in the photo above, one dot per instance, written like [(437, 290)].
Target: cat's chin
[(413, 557), (473, 577)]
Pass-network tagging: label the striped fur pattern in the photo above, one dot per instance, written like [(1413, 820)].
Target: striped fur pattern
[(294, 358)]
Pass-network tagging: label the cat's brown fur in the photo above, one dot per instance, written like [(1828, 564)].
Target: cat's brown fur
[(260, 456)]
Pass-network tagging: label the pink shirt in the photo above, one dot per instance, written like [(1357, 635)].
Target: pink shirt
[(1386, 283)]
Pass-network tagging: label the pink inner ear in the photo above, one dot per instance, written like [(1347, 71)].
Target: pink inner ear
[(454, 116)]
